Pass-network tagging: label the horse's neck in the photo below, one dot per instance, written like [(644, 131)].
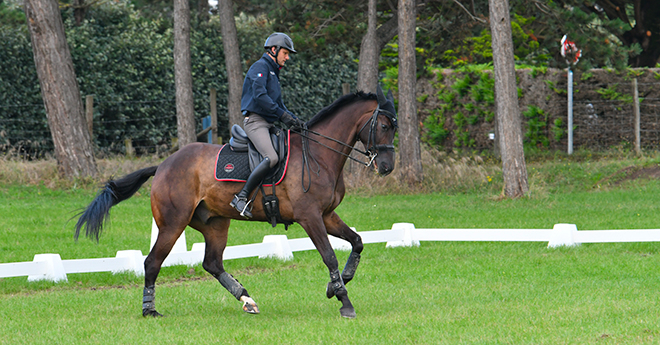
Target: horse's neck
[(344, 127)]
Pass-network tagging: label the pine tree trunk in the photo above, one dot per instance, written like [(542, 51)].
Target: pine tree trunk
[(59, 89), (185, 109), (409, 149), (232, 61), (369, 54), (514, 169)]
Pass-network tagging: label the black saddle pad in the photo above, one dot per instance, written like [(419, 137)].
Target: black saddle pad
[(233, 166)]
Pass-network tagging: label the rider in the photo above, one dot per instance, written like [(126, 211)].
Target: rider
[(262, 105)]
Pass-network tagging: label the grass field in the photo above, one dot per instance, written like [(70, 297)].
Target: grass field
[(438, 293)]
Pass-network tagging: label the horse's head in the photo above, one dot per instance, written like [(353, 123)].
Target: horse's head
[(380, 137)]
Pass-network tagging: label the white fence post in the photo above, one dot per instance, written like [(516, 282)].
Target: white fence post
[(563, 235), (54, 268), (135, 262), (179, 245), (282, 248), (408, 237)]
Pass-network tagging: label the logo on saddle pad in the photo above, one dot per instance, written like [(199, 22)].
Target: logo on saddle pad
[(229, 168)]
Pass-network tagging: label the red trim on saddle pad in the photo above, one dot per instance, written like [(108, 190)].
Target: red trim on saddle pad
[(286, 165)]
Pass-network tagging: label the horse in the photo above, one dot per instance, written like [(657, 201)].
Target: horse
[(184, 192)]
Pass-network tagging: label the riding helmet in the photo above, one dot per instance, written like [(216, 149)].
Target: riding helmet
[(280, 40)]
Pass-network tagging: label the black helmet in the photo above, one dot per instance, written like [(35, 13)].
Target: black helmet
[(280, 40)]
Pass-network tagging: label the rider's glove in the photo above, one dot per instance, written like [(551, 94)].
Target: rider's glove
[(292, 121)]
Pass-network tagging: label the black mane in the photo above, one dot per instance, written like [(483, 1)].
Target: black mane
[(339, 103)]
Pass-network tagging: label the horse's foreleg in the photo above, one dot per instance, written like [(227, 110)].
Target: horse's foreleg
[(317, 233), (215, 236), (336, 227)]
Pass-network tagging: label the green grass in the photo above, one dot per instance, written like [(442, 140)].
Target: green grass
[(438, 293)]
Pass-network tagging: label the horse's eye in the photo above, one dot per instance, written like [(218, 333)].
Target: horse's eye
[(384, 127)]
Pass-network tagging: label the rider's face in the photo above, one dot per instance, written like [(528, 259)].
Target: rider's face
[(282, 56)]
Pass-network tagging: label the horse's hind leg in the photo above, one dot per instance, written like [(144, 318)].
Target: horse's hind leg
[(167, 236), (336, 227), (215, 232)]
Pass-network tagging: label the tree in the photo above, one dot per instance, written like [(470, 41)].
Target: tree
[(232, 61), (646, 29), (185, 110), (59, 89), (506, 102), (368, 66), (409, 148), (373, 43)]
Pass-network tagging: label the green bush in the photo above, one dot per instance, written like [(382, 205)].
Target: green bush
[(537, 121)]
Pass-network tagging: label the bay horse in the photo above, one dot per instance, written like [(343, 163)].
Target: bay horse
[(184, 192)]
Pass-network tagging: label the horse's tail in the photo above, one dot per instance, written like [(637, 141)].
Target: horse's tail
[(114, 192)]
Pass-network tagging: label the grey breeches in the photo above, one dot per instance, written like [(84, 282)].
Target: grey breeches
[(256, 129)]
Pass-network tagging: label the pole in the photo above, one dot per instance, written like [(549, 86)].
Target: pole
[(638, 146), (89, 111), (214, 118), (345, 88), (570, 111)]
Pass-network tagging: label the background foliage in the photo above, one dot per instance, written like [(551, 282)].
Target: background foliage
[(125, 61), (122, 54)]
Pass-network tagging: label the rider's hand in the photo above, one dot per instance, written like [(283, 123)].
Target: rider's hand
[(291, 121)]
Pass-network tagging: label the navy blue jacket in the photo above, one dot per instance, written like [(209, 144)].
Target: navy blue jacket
[(262, 93)]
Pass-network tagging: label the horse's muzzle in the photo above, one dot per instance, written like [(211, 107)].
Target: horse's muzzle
[(385, 168)]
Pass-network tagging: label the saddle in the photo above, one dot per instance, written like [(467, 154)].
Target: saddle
[(236, 160), (240, 143)]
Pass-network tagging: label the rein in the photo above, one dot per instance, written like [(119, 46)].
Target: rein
[(371, 152)]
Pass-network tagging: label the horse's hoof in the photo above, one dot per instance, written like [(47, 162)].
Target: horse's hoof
[(348, 313), (151, 312), (250, 308), (249, 305), (329, 291)]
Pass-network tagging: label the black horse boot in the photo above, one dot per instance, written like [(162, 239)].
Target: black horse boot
[(240, 202)]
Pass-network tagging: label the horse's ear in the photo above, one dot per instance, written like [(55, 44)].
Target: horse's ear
[(381, 97), (390, 96)]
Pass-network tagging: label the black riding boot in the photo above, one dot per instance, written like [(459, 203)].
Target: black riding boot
[(240, 202)]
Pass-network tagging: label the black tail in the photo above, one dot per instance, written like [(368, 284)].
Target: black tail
[(114, 192)]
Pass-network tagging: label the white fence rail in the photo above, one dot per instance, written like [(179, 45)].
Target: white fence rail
[(52, 267)]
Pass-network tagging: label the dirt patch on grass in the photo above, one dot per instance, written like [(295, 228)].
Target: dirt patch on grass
[(633, 172)]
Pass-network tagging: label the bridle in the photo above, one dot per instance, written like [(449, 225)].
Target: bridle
[(372, 149)]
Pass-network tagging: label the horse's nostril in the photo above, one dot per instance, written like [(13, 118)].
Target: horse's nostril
[(385, 169)]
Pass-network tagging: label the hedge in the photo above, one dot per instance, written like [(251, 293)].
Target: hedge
[(126, 63)]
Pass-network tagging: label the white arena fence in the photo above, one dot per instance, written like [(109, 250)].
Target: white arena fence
[(52, 267)]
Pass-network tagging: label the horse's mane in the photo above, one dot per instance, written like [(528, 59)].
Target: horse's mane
[(338, 104)]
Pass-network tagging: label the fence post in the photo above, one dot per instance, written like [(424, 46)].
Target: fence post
[(638, 139), (570, 111), (282, 248), (89, 111), (345, 88), (130, 152), (54, 271), (214, 118), (409, 239), (563, 235), (135, 262)]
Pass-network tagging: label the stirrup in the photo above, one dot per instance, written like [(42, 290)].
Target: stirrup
[(243, 210)]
